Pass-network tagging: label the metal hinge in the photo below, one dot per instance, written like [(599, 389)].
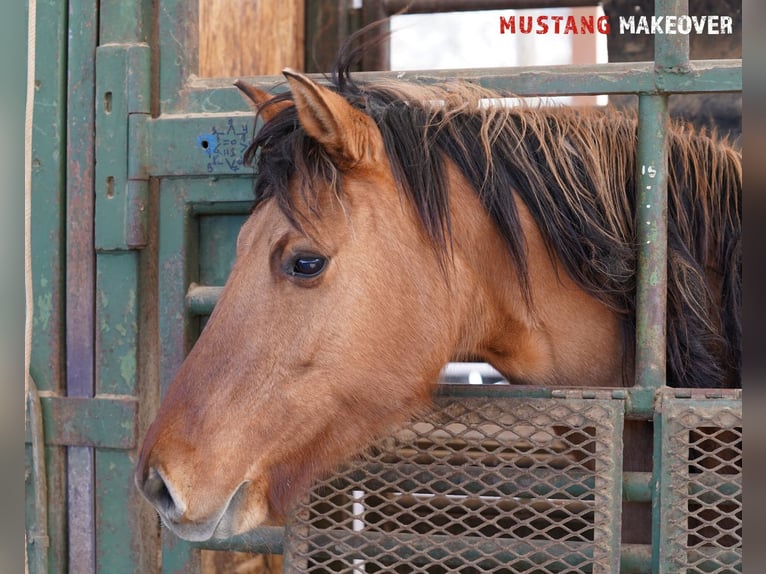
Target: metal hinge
[(639, 402), (123, 75), (589, 393), (731, 397)]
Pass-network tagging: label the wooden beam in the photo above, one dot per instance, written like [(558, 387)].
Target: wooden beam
[(250, 37)]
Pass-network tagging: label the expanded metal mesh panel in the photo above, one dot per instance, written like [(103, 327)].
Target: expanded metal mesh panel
[(701, 486), (478, 485)]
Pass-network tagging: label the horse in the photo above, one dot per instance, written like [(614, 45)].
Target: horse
[(399, 226)]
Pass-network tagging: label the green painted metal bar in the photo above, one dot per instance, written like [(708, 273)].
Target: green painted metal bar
[(117, 333), (212, 144), (122, 87), (177, 261), (225, 207), (122, 103), (99, 422), (651, 232), (262, 540), (124, 543), (125, 21), (651, 222), (178, 53), (635, 559), (637, 486), (203, 144), (671, 51), (47, 367), (212, 95), (121, 521), (48, 197), (201, 299)]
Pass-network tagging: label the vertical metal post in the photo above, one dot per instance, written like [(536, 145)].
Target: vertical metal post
[(651, 222), (671, 51), (80, 274), (671, 56)]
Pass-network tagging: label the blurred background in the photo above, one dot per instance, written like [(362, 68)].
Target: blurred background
[(13, 62)]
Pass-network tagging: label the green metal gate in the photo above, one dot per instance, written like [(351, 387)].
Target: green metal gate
[(138, 194)]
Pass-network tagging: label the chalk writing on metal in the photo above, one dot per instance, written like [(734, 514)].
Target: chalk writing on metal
[(224, 147)]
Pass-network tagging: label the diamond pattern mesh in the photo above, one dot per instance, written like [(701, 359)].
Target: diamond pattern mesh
[(701, 526), (477, 485)]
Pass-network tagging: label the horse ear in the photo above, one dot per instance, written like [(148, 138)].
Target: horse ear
[(257, 99), (347, 134)]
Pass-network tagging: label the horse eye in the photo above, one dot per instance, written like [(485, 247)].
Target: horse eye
[(307, 266)]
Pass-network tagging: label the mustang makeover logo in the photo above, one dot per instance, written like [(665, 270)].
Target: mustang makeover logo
[(560, 24)]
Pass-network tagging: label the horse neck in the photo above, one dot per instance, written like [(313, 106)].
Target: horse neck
[(566, 338)]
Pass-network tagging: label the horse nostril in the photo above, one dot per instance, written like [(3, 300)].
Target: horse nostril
[(161, 495)]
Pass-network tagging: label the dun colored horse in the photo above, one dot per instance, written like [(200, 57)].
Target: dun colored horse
[(397, 227)]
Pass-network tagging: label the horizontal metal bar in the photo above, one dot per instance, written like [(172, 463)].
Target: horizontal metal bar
[(205, 144), (612, 78), (201, 299), (222, 207), (636, 558), (262, 540), (212, 144), (98, 422), (207, 97), (705, 395), (437, 6), (637, 486), (724, 75), (507, 481)]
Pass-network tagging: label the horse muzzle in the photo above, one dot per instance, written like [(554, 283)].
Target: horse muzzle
[(178, 512)]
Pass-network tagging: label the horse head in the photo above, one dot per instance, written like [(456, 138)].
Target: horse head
[(331, 328)]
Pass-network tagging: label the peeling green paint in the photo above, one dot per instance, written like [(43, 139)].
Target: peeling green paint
[(128, 368), (44, 310)]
